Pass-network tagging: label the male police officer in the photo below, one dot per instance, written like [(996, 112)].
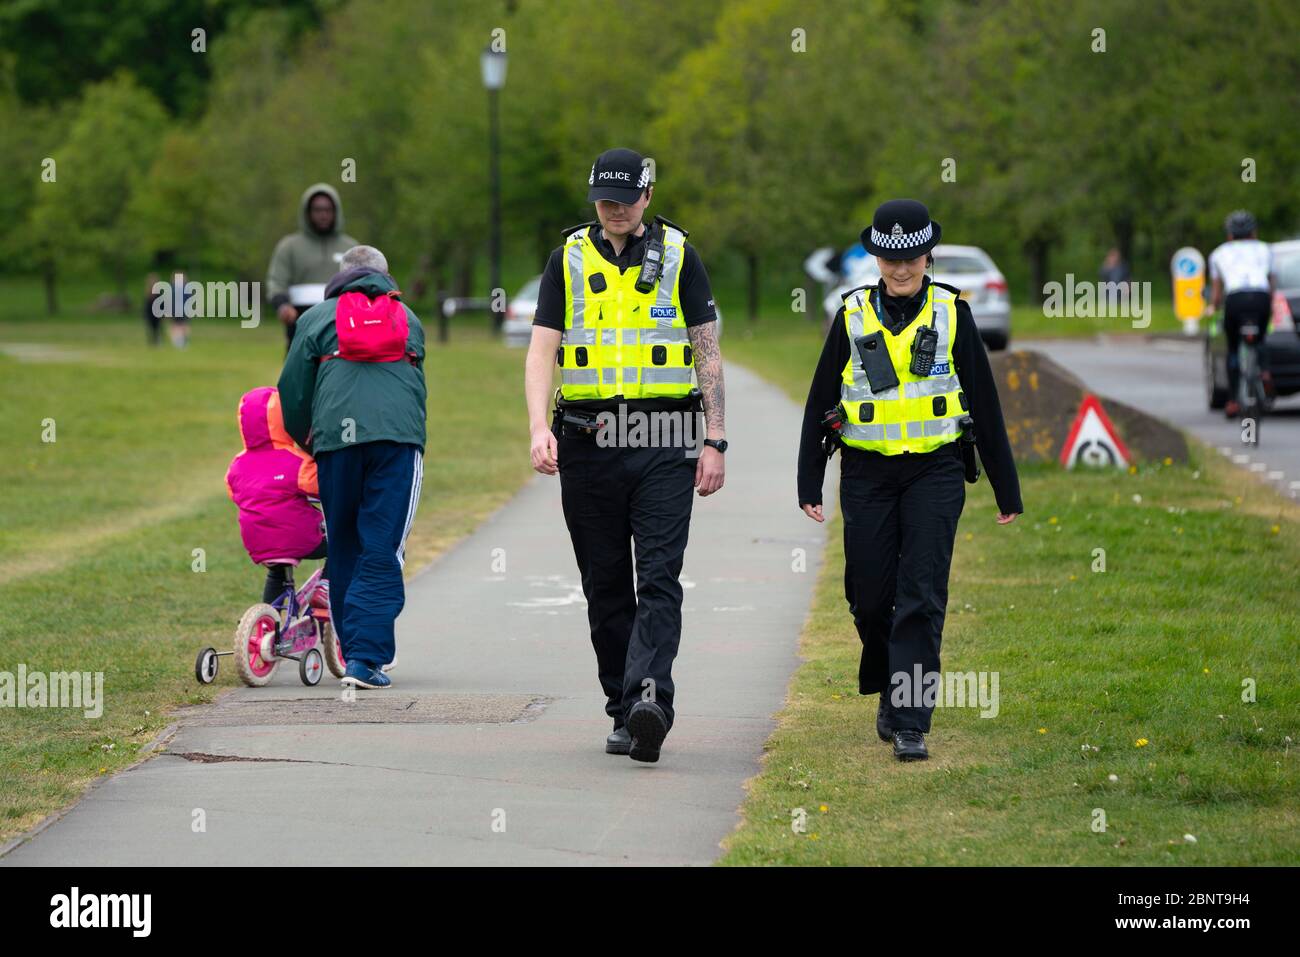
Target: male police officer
[(625, 309)]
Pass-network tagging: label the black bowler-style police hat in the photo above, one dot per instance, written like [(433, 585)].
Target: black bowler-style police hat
[(901, 229), (619, 175)]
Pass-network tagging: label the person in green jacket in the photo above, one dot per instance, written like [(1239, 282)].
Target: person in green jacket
[(308, 259), (364, 422)]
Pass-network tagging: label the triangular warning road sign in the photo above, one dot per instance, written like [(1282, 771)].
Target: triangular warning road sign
[(1093, 439)]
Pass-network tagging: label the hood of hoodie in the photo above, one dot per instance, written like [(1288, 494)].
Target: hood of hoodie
[(304, 221), (360, 279), (261, 424)]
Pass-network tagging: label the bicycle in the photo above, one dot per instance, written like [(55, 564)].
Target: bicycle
[(295, 627), (1252, 393)]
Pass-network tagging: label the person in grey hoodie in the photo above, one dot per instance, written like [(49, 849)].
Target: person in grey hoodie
[(309, 257)]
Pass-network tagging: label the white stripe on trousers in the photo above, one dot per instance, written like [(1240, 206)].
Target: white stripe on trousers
[(416, 480), (333, 627)]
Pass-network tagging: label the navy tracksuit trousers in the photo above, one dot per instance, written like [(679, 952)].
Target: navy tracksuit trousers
[(369, 493)]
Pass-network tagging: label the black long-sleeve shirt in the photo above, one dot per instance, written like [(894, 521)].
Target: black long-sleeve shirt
[(974, 373)]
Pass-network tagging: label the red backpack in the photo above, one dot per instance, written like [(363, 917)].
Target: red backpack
[(370, 330)]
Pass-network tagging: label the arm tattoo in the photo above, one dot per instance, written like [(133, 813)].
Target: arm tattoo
[(708, 370)]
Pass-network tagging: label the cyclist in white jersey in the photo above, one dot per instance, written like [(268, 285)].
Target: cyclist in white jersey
[(1241, 277)]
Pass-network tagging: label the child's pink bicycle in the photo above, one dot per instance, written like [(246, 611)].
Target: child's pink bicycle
[(296, 626)]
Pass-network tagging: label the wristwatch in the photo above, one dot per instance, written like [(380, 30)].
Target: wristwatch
[(719, 444)]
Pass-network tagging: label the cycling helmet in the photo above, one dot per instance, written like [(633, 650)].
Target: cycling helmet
[(1239, 223)]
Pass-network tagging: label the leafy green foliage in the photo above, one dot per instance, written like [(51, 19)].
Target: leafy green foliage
[(776, 127)]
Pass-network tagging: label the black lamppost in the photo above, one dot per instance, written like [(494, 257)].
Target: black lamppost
[(493, 63)]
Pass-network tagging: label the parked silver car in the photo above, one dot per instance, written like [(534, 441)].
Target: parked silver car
[(517, 329), (969, 269)]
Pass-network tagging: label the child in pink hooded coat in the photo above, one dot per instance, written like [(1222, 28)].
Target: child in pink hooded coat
[(273, 482)]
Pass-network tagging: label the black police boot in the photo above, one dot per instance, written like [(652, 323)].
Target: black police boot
[(648, 727), (618, 742), (909, 745), (884, 719)]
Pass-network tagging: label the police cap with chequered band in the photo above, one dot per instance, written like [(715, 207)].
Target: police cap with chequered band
[(618, 174), (901, 229)]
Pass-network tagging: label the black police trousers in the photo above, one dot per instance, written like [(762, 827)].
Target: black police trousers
[(900, 521), (629, 509)]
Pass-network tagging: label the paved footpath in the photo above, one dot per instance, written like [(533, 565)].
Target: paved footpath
[(489, 748)]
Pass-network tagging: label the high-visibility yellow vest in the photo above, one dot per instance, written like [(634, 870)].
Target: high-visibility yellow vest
[(618, 341), (921, 413)]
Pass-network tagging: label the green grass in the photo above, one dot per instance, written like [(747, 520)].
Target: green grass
[(98, 534), (1197, 596)]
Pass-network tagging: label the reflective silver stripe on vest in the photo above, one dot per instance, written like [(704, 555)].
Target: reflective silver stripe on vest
[(608, 377), (578, 292), (940, 385), (665, 337), (863, 433), (893, 430), (578, 337), (942, 325), (629, 375), (859, 391), (674, 248), (871, 433), (651, 376), (578, 376), (930, 427), (632, 337)]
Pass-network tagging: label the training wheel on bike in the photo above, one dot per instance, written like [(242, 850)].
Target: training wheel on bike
[(254, 635), (311, 666), (333, 650), (205, 666)]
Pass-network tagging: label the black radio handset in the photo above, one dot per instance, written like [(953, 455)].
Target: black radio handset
[(923, 349), (653, 262)]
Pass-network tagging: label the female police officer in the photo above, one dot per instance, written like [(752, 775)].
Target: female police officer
[(904, 366)]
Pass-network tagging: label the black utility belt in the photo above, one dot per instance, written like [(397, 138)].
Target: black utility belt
[(583, 418), (693, 401), (597, 406)]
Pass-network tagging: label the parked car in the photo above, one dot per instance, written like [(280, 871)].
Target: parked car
[(518, 326), (967, 268), (1281, 346)]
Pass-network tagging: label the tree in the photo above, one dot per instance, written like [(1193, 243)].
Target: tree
[(110, 141), (753, 114), (59, 47)]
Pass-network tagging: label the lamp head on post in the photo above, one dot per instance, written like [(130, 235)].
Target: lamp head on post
[(493, 64)]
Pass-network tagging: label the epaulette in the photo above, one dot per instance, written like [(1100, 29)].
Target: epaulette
[(952, 289), (573, 229), (847, 293), (669, 222)]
